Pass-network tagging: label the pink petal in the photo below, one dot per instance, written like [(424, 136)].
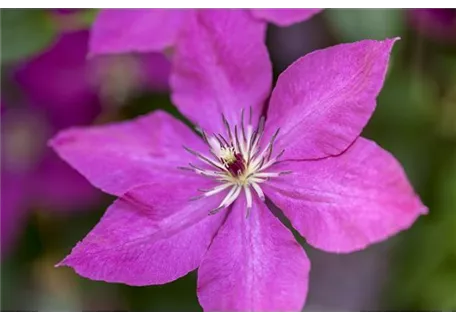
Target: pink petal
[(284, 17), (323, 100), (345, 203), (116, 157), (253, 264), (138, 30), (152, 235), (221, 65)]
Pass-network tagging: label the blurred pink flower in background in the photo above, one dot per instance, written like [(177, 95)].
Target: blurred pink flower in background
[(154, 30), (341, 192), (120, 76), (438, 24), (60, 88), (56, 93)]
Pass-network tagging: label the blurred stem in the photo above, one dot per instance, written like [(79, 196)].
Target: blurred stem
[(56, 289), (46, 230), (447, 116)]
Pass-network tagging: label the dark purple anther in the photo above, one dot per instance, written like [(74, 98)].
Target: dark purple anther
[(237, 166)]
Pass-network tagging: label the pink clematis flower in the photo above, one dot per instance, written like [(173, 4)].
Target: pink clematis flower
[(56, 94), (203, 205), (145, 30), (438, 24)]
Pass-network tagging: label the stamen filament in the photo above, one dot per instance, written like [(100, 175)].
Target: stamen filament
[(239, 161), (203, 158), (248, 197), (217, 189), (229, 199), (258, 190), (236, 137), (244, 137)]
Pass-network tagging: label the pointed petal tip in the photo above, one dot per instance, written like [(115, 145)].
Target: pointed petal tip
[(51, 143), (62, 263), (420, 207), (60, 138), (386, 41), (392, 41), (423, 210)]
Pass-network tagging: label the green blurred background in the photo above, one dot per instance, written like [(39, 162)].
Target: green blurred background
[(415, 120)]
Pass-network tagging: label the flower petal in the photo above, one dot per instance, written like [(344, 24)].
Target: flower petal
[(116, 157), (152, 235), (284, 17), (345, 203), (253, 264), (221, 65), (323, 100), (138, 30)]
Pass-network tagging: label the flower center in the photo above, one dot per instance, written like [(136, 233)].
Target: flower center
[(237, 162), (232, 161)]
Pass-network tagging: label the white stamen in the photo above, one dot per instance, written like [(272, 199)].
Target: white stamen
[(258, 190), (267, 174), (248, 197), (231, 196), (237, 162), (215, 146), (257, 180), (229, 199), (218, 189)]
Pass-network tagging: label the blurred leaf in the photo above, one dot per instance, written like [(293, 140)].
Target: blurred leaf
[(408, 99), (441, 292), (358, 24), (425, 275), (10, 279), (445, 65), (29, 245), (403, 122), (87, 16), (179, 295), (447, 189), (24, 32), (46, 302), (150, 102)]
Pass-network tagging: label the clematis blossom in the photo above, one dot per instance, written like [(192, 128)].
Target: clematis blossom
[(146, 30), (188, 200)]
